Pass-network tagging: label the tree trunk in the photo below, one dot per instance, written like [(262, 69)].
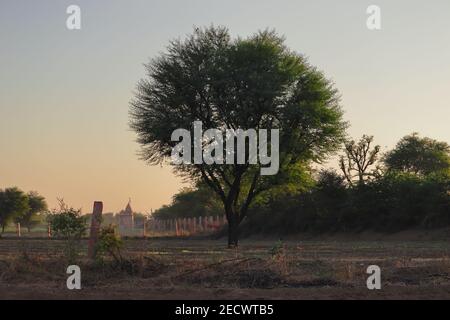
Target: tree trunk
[(233, 228)]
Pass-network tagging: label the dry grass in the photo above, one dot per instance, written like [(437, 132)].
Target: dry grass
[(166, 268)]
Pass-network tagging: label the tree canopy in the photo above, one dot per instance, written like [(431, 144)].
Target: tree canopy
[(13, 204), (422, 156), (244, 83), (36, 206)]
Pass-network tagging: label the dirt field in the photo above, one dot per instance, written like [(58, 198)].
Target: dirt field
[(205, 269)]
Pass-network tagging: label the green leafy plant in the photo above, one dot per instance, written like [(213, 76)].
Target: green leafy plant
[(278, 249), (67, 223), (13, 204), (109, 243)]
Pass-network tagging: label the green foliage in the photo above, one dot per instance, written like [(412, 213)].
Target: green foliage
[(68, 223), (13, 205), (33, 216), (201, 201), (393, 202), (422, 156), (109, 243), (252, 83), (191, 202), (414, 195), (278, 250)]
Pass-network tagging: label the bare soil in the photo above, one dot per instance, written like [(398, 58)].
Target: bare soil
[(205, 269)]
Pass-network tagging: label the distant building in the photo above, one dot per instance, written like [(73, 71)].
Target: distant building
[(126, 217)]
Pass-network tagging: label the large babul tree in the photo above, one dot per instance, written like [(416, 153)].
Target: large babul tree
[(253, 83)]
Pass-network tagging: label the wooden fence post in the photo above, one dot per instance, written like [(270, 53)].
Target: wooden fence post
[(95, 227), (18, 230), (189, 225), (195, 225)]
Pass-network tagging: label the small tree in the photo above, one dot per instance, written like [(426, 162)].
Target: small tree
[(37, 205), (191, 202), (68, 224), (358, 158), (13, 204), (420, 156)]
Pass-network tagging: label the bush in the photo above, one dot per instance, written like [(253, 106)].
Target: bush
[(68, 224), (109, 243), (393, 202)]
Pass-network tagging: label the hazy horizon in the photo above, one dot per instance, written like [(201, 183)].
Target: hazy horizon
[(65, 95)]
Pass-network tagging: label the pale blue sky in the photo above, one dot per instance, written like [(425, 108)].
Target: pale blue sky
[(64, 94)]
